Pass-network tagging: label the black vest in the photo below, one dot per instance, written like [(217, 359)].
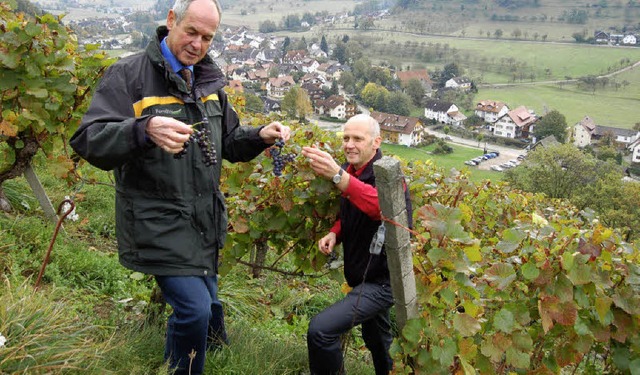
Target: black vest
[(357, 231)]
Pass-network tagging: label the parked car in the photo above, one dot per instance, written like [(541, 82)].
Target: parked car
[(470, 162), (496, 168)]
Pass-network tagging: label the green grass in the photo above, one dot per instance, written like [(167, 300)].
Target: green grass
[(446, 162), (608, 107)]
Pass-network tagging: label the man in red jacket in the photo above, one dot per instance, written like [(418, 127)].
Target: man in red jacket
[(370, 300)]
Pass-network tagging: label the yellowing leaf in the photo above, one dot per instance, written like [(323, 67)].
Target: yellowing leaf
[(7, 129), (466, 324), (473, 253)]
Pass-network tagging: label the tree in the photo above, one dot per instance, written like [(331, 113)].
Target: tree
[(323, 45), (415, 90), (374, 95), (296, 104), (285, 45), (267, 26), (398, 103), (348, 82), (45, 85), (340, 52), (253, 103), (557, 171), (553, 123)]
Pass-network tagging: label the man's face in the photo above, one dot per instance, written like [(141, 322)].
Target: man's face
[(358, 143), (190, 39)]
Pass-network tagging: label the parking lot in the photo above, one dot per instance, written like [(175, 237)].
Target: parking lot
[(500, 162)]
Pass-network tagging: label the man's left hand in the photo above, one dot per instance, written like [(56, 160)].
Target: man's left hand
[(274, 131)]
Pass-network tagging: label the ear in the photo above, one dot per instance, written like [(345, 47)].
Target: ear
[(171, 19), (377, 141)]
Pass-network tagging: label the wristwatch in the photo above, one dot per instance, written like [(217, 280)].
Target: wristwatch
[(337, 178)]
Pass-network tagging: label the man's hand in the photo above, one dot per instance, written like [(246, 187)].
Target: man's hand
[(327, 243), (274, 131), (168, 133), (321, 162)]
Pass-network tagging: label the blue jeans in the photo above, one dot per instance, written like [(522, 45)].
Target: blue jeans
[(367, 304), (197, 321)]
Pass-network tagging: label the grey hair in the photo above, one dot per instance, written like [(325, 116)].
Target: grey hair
[(374, 126), (180, 9)]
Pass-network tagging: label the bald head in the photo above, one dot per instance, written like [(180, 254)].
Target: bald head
[(372, 124)]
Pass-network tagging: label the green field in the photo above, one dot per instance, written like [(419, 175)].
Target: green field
[(258, 12), (608, 107), (447, 162)]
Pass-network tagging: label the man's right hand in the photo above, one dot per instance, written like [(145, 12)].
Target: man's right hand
[(327, 243), (168, 133)]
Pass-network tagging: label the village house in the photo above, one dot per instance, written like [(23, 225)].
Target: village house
[(635, 151), (235, 85), (296, 56), (517, 123), (314, 91), (278, 87), (271, 105), (400, 130), (490, 110), (331, 69), (421, 75), (444, 112), (336, 106), (458, 83), (586, 133)]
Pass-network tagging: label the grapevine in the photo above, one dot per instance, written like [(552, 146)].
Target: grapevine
[(280, 160), (201, 137)]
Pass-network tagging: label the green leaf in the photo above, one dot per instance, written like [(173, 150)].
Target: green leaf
[(33, 29), (603, 307), (530, 271), (581, 274), (412, 331), (500, 275), (9, 60), (446, 352), (39, 93), (511, 240), (504, 321), (517, 358), (466, 324)]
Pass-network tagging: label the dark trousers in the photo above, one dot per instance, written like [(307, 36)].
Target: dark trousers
[(367, 304), (197, 321)]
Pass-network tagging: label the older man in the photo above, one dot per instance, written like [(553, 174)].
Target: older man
[(370, 300), (162, 121)]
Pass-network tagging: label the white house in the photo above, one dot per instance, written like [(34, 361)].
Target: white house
[(587, 132), (629, 39), (443, 112), (635, 148), (334, 106), (517, 123), (458, 83), (491, 110), (400, 130), (278, 87)]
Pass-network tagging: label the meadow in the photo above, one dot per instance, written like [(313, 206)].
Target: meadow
[(447, 162)]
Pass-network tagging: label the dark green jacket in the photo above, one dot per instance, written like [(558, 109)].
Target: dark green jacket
[(170, 214)]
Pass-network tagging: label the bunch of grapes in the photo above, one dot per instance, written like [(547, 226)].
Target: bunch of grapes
[(280, 159), (201, 137)]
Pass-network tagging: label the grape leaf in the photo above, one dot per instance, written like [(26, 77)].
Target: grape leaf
[(466, 324)]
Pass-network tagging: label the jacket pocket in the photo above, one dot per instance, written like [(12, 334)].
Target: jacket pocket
[(162, 232)]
